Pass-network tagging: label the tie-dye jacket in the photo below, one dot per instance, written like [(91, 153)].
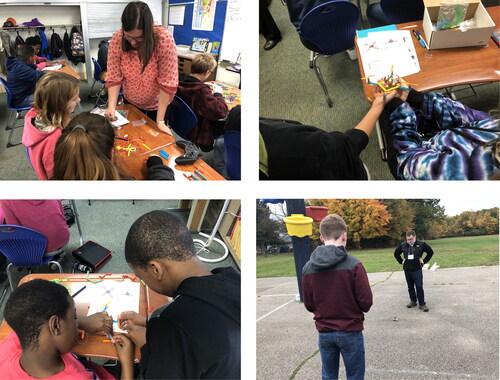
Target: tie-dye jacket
[(451, 149)]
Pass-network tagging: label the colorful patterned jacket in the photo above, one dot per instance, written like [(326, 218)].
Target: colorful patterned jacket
[(446, 140)]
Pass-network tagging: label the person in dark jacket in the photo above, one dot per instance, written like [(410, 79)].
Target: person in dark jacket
[(336, 289), (198, 334), (209, 106), (291, 151), (22, 75), (412, 261)]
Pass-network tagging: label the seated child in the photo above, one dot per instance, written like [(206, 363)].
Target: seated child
[(431, 137), (22, 76), (209, 107), (43, 317), (56, 97), (85, 152), (36, 43), (199, 332), (289, 150), (45, 216)]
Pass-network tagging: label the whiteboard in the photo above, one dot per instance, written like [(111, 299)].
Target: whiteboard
[(104, 18), (232, 45)]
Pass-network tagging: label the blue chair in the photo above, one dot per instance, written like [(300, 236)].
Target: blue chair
[(13, 109), (232, 154), (394, 12), (328, 29), (24, 247), (181, 118), (97, 74)]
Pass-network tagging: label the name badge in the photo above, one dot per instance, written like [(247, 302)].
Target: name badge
[(411, 257)]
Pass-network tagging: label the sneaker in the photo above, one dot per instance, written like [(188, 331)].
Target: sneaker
[(423, 308), (411, 304), (352, 54)]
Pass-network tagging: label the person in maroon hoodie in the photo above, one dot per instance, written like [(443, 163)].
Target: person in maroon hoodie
[(335, 288), (56, 96), (209, 106)]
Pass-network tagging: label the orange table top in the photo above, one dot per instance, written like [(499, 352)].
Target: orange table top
[(65, 68), (231, 95), (93, 345), (148, 140), (440, 68)]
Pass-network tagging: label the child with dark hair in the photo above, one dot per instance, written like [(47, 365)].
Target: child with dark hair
[(22, 75), (36, 43), (43, 317), (85, 152), (199, 332)]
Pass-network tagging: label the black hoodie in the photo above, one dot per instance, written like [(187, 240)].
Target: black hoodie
[(198, 335)]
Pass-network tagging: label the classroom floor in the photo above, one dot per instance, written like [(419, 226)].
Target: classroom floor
[(14, 164), (290, 90), (107, 222)]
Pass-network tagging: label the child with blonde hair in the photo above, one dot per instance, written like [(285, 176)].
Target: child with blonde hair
[(56, 96)]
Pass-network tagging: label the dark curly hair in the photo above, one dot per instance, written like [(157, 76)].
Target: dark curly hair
[(158, 235), (31, 305)]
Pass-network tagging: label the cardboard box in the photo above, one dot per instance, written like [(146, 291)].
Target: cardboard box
[(442, 39)]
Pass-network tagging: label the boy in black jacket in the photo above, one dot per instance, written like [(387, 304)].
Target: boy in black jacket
[(198, 334), (412, 261)]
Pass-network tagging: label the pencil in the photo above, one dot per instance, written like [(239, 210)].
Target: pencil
[(78, 292), (106, 341)]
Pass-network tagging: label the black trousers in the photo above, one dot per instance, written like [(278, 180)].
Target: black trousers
[(415, 280), (267, 25)]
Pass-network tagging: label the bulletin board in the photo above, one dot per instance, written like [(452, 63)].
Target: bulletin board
[(183, 34)]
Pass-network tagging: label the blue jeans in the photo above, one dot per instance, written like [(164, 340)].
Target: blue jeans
[(25, 102), (376, 16), (352, 347), (414, 279)]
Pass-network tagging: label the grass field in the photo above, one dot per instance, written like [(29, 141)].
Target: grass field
[(448, 253)]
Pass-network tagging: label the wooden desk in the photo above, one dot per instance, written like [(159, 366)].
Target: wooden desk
[(449, 67), (135, 163), (231, 95), (65, 69), (92, 345)]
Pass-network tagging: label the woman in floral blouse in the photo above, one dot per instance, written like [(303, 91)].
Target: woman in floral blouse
[(142, 59)]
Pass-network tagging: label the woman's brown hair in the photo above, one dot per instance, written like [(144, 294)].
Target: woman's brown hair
[(52, 93), (137, 15), (83, 152)]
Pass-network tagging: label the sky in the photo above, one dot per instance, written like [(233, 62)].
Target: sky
[(454, 206)]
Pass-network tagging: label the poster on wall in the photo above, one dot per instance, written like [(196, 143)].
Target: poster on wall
[(204, 14)]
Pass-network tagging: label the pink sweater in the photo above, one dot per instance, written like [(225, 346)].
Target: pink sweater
[(124, 68), (45, 216), (41, 146)]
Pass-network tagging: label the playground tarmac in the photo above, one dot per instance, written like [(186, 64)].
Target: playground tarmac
[(457, 338)]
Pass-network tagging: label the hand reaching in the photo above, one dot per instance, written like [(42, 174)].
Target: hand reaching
[(124, 348), (99, 323), (127, 317)]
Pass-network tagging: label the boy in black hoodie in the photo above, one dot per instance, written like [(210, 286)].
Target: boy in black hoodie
[(198, 334)]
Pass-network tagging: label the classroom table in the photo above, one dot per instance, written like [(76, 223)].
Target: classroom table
[(93, 345), (64, 69), (231, 95), (148, 140), (442, 68)]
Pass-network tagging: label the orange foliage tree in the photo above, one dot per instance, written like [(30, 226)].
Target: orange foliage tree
[(365, 218)]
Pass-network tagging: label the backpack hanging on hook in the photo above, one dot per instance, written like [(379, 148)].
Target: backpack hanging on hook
[(56, 45)]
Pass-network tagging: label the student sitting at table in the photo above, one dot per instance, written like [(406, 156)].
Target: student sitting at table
[(91, 137), (199, 331), (22, 75), (289, 150), (36, 43), (45, 216), (56, 97), (431, 137), (43, 317), (209, 107)]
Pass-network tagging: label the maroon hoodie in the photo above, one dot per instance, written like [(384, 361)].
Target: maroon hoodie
[(336, 289), (41, 146)]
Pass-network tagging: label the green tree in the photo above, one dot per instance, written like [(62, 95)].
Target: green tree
[(267, 228), (426, 211), (401, 218)]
